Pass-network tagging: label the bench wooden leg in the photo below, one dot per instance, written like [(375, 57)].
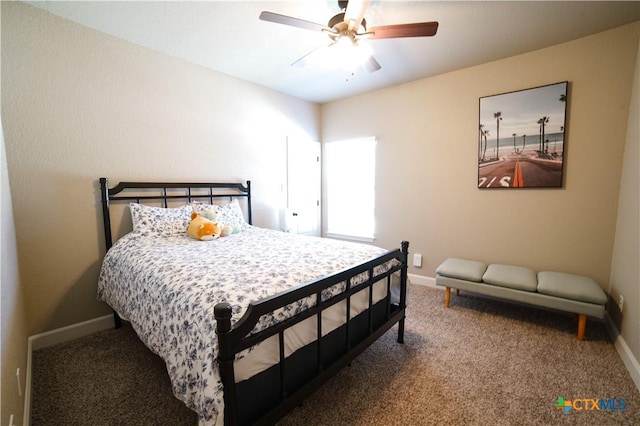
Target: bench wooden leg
[(447, 297), (457, 292), (582, 324)]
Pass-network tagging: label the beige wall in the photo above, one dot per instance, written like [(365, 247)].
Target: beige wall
[(12, 313), (78, 104), (625, 269), (427, 164)]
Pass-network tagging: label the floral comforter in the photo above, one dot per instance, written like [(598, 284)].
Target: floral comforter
[(167, 286)]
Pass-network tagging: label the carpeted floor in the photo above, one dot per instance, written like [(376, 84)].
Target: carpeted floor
[(480, 362)]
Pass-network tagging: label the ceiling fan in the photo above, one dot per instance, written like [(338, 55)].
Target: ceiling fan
[(348, 28)]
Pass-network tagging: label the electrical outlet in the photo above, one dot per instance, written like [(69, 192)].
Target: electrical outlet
[(417, 260), (620, 302)]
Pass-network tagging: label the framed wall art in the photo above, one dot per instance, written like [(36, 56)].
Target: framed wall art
[(521, 138)]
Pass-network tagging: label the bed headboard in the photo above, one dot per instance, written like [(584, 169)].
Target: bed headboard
[(169, 193)]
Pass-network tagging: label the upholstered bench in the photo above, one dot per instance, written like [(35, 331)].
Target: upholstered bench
[(552, 290)]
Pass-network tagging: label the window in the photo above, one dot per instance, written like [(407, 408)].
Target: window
[(350, 179)]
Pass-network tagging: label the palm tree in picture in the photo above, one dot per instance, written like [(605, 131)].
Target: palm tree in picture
[(521, 149), (542, 122), (563, 98), (480, 149), (555, 140), (498, 117), (484, 151)]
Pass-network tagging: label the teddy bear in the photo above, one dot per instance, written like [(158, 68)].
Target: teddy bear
[(202, 228), (212, 215)]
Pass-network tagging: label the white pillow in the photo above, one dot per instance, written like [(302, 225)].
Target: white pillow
[(229, 214), (164, 221)]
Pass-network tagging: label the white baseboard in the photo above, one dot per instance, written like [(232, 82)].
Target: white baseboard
[(629, 360), (70, 332), (422, 280), (53, 337)]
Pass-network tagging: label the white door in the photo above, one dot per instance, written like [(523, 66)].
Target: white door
[(303, 187)]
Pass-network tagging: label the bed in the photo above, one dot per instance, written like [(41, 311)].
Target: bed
[(249, 324)]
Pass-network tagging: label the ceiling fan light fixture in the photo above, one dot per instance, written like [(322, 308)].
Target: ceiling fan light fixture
[(350, 53), (362, 51)]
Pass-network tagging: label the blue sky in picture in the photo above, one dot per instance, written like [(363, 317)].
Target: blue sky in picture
[(521, 110)]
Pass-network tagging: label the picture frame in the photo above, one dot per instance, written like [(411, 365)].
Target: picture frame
[(521, 138)]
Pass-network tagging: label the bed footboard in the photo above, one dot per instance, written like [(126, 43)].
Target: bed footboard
[(285, 385)]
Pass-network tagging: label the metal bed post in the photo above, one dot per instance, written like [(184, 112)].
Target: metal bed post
[(106, 217), (222, 312), (249, 219), (108, 239), (404, 249)]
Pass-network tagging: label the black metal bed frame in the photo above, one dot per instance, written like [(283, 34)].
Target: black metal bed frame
[(268, 396)]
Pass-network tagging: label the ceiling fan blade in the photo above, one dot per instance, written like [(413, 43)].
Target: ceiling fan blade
[(418, 29), (293, 22), (371, 65), (355, 12)]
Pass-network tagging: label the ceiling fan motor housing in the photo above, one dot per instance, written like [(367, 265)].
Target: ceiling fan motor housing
[(334, 23)]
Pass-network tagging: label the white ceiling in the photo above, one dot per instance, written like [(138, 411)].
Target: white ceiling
[(227, 36)]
